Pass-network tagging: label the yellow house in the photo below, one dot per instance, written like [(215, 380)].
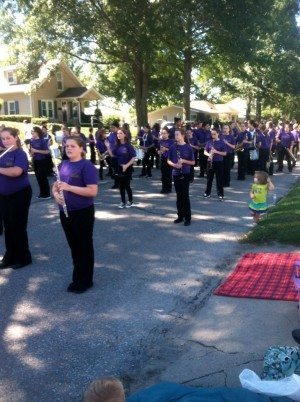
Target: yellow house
[(56, 94)]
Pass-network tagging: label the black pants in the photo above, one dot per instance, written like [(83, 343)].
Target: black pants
[(78, 228), (93, 153), (215, 168), (202, 162), (183, 204), (14, 210), (264, 156), (166, 175), (252, 166), (41, 170), (101, 167), (281, 153), (124, 184), (146, 163), (227, 166), (242, 164)]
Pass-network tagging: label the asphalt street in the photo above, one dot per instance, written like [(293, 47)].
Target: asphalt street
[(142, 319)]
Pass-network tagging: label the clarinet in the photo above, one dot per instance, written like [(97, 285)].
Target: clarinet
[(61, 193), (179, 157), (8, 149)]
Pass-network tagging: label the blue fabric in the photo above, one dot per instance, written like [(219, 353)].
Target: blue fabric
[(171, 392)]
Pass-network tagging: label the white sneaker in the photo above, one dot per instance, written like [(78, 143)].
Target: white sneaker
[(129, 204), (122, 205)]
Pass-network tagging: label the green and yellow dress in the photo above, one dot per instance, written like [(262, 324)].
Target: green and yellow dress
[(259, 202)]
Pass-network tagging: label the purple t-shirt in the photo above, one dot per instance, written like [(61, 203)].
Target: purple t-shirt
[(231, 139), (218, 145), (286, 139), (165, 144), (10, 185), (264, 140), (123, 153), (40, 144), (80, 174), (184, 151), (100, 145)]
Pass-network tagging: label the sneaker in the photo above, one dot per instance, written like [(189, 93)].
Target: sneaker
[(206, 195), (114, 187), (221, 198), (122, 205), (43, 198), (129, 204), (187, 223), (178, 220)]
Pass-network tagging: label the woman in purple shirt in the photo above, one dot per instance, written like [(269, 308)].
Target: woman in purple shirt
[(76, 189), (228, 160), (15, 197), (215, 149), (285, 143), (166, 171), (39, 150), (181, 158), (125, 155)]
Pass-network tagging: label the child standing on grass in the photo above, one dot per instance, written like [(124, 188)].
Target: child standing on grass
[(259, 193)]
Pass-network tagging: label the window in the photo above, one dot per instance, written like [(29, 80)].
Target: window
[(75, 110), (47, 108), (11, 107), (59, 79), (11, 77)]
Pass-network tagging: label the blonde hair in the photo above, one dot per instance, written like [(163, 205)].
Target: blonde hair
[(105, 390), (262, 177)]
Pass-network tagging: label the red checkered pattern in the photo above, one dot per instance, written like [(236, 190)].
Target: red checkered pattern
[(262, 276)]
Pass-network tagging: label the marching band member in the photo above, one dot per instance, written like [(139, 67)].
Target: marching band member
[(243, 141), (215, 150), (102, 150), (147, 144), (193, 141), (181, 158), (39, 150), (285, 143), (15, 197), (125, 155), (76, 189), (228, 159), (166, 171)]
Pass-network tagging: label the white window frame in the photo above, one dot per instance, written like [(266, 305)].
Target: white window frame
[(11, 111), (59, 80), (11, 77), (46, 110)]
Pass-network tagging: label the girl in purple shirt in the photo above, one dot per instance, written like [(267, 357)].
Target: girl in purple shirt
[(166, 171), (181, 158), (285, 143), (125, 155), (76, 189), (39, 151), (15, 197)]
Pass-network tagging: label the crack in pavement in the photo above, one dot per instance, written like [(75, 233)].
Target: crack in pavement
[(212, 347), (207, 375)]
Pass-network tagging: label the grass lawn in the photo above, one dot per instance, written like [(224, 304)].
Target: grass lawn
[(282, 223)]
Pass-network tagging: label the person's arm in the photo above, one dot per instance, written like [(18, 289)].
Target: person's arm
[(91, 190), (187, 162), (39, 151), (129, 163), (13, 171), (270, 185)]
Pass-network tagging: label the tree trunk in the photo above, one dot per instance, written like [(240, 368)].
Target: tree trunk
[(141, 81), (187, 80), (258, 100), (248, 109)]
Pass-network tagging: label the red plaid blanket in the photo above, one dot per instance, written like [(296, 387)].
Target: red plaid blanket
[(262, 276)]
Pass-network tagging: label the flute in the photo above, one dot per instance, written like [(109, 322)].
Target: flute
[(7, 150), (61, 193)]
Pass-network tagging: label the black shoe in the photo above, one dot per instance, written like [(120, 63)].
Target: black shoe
[(71, 287), (114, 187), (142, 175), (201, 175), (4, 265), (82, 289), (187, 223), (163, 191), (296, 335), (19, 265), (178, 220)]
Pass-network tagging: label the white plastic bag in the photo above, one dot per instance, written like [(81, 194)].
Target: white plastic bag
[(288, 386)]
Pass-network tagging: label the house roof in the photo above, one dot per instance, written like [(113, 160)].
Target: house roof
[(172, 106), (224, 108), (75, 92), (204, 106)]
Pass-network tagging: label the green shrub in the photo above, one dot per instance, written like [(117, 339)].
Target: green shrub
[(108, 120), (16, 117), (37, 121)]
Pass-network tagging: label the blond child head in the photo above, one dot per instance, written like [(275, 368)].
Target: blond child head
[(105, 390), (261, 177)]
